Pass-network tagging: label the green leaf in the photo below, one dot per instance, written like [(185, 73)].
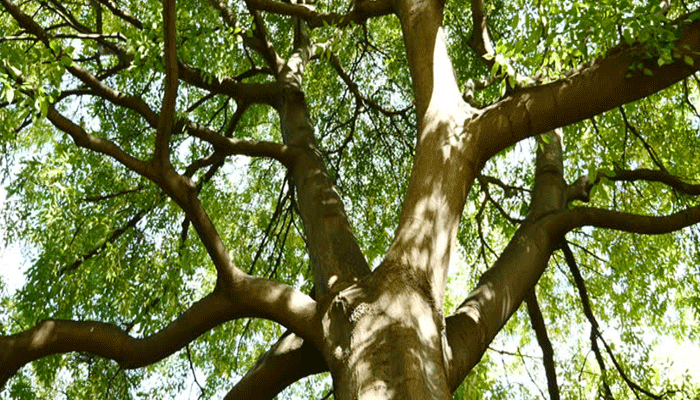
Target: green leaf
[(66, 61), (9, 94), (688, 60)]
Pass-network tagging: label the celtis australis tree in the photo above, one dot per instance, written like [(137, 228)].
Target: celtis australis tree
[(234, 195)]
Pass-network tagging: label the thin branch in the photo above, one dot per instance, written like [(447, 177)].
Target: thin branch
[(538, 325), (95, 199), (99, 145), (487, 193), (194, 373), (91, 36), (232, 146), (116, 234), (121, 14), (650, 150), (588, 311), (651, 175), (354, 89)]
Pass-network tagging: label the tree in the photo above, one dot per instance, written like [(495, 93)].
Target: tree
[(122, 123)]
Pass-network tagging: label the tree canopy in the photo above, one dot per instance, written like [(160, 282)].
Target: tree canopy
[(221, 198)]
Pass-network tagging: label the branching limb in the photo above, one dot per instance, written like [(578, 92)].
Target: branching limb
[(538, 325), (487, 193), (251, 298), (509, 281), (266, 49), (124, 100), (251, 93)]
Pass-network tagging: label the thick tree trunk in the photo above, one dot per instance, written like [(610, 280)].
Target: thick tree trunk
[(385, 335), (384, 340)]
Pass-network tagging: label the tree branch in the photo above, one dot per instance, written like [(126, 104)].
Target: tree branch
[(538, 325), (108, 341), (99, 145), (606, 84), (251, 93), (627, 222), (360, 12), (355, 90), (651, 175), (252, 297), (252, 148), (503, 287), (166, 119), (480, 39), (118, 98), (121, 14), (287, 361), (116, 234)]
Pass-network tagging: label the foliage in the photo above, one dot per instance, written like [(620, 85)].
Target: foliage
[(104, 244)]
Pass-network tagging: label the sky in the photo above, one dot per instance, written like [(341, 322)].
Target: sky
[(11, 261)]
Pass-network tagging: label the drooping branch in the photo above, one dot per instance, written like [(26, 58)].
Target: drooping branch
[(355, 90), (649, 149), (538, 325), (595, 329), (605, 84), (116, 234)]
